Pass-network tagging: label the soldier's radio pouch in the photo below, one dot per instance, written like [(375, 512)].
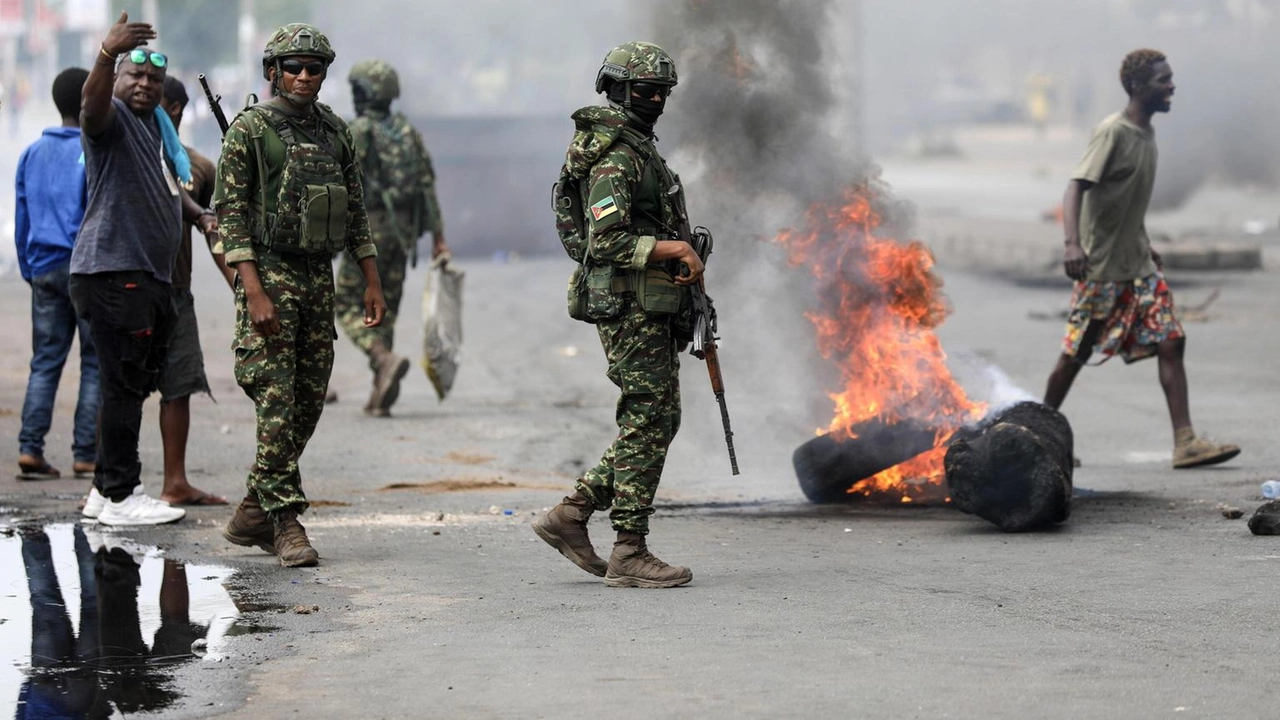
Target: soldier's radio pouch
[(657, 292)]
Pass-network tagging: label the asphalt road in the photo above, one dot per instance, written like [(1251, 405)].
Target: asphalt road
[(433, 602)]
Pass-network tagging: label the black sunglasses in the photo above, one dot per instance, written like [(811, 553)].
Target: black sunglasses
[(295, 67), (648, 90)]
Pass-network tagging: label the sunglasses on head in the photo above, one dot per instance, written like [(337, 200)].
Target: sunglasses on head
[(295, 67), (648, 90), (139, 56)]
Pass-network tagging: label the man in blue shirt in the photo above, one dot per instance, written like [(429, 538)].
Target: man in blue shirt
[(49, 207)]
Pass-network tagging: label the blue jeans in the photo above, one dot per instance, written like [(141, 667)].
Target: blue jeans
[(53, 326)]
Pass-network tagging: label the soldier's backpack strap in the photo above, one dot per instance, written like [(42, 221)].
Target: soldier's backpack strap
[(330, 120), (289, 131), (645, 150), (258, 124)]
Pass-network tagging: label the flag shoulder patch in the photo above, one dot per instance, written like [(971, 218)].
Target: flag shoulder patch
[(604, 208)]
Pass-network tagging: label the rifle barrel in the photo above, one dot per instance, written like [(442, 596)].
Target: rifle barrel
[(728, 434), (717, 386), (215, 104)]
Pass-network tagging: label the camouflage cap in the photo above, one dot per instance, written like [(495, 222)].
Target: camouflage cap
[(639, 61), (377, 78), (296, 39)]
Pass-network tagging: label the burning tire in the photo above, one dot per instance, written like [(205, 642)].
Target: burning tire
[(1014, 468), (827, 467)]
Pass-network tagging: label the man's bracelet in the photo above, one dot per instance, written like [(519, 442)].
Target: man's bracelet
[(102, 50)]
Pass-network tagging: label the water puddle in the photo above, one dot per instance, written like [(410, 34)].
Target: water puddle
[(92, 624)]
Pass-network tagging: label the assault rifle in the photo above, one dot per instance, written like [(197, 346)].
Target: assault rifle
[(703, 346), (215, 104)]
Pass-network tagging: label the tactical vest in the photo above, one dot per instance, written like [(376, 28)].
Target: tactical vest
[(309, 215), (653, 213), (651, 208)]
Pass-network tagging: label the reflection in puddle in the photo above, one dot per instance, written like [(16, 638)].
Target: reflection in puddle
[(105, 620)]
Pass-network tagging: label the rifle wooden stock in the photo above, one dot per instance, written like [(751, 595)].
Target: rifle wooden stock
[(713, 369)]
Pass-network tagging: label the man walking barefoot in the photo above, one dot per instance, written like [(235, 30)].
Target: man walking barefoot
[(183, 374)]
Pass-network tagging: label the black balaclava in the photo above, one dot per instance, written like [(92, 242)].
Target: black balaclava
[(644, 110), (365, 102)]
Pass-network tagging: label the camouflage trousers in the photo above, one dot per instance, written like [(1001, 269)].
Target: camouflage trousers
[(286, 375), (644, 365), (392, 263)]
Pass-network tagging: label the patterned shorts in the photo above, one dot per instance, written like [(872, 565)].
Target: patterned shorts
[(1136, 315)]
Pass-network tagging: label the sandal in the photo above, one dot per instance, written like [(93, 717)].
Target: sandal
[(34, 468)]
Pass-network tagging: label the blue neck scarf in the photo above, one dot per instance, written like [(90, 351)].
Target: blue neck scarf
[(173, 147)]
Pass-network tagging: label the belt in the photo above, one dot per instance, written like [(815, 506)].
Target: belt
[(295, 259)]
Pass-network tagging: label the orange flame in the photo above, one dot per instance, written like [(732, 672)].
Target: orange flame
[(879, 303)]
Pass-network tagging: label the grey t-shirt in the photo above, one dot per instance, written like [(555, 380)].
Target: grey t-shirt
[(1121, 164), (133, 217)]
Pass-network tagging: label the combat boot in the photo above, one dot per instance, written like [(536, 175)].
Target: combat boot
[(291, 543), (388, 370), (251, 526), (632, 565), (564, 528)]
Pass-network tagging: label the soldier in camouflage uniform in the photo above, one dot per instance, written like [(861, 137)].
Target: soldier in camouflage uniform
[(399, 184), (631, 219), (288, 196)]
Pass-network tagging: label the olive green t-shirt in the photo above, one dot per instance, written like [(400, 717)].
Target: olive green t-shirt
[(1121, 163)]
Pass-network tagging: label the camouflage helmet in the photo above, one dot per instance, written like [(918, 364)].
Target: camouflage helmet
[(376, 78), (637, 61), (296, 39)]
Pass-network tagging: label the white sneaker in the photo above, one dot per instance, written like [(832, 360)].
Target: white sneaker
[(112, 541), (94, 538), (93, 504), (139, 509)]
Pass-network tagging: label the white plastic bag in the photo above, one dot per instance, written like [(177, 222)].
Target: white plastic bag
[(442, 323)]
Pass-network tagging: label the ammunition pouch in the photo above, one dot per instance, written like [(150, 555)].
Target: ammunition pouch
[(324, 218), (577, 299), (595, 293), (657, 292)]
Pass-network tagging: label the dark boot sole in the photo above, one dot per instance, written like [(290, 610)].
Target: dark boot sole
[(563, 548), (623, 581), (246, 541)]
